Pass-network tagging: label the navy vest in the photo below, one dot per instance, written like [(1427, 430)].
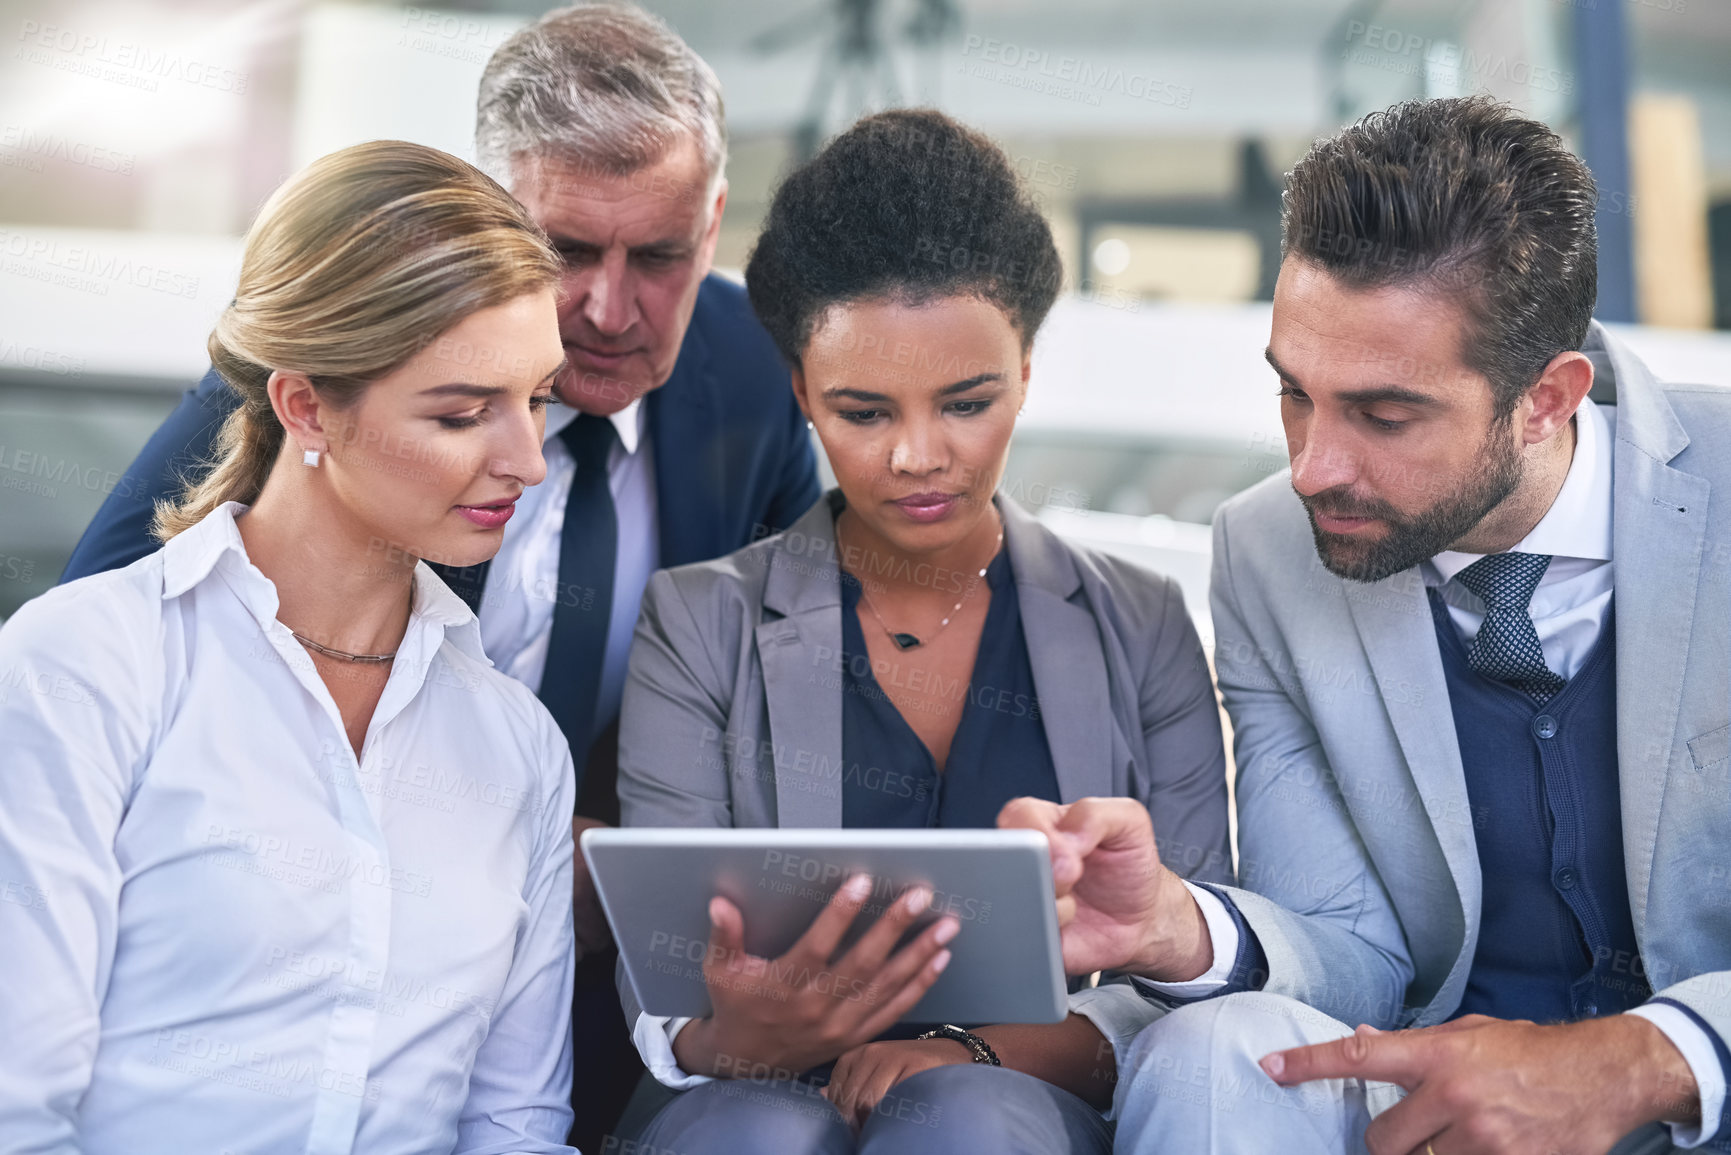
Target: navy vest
[(1556, 939)]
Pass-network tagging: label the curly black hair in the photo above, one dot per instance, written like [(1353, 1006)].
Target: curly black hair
[(906, 205)]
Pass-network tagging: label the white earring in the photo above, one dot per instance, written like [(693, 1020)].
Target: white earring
[(310, 457)]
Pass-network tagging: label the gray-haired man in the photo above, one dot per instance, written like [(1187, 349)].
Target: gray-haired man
[(680, 440)]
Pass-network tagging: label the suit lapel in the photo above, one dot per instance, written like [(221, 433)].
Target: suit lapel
[(799, 650), (1067, 655), (1658, 527), (1394, 624)]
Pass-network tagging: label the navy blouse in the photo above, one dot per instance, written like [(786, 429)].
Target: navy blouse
[(999, 751)]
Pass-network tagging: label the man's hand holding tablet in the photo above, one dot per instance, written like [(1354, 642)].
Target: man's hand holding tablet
[(1119, 908), (809, 1006)]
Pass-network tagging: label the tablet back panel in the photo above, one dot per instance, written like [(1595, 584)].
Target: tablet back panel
[(1006, 967)]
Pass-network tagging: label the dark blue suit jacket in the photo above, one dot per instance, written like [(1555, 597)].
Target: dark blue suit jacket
[(732, 459)]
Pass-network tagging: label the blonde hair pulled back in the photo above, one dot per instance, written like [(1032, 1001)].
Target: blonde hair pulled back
[(355, 264)]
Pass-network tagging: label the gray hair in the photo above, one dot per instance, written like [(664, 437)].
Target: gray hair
[(605, 87)]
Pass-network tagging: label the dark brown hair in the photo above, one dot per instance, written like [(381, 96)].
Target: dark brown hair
[(1467, 198)]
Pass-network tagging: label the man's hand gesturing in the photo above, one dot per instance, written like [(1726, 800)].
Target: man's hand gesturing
[(1484, 1086), (1119, 907)]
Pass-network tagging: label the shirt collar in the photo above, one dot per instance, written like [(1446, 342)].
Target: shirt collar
[(190, 556), (629, 422), (1578, 524), (435, 602)]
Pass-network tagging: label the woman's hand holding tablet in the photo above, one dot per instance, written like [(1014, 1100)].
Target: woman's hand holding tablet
[(808, 1006)]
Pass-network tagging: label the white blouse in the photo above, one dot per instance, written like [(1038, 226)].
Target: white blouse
[(221, 932)]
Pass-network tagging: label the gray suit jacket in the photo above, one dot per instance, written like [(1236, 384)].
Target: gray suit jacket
[(1360, 871), (733, 704)]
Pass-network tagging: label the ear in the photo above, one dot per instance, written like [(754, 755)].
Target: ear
[(713, 231), (1554, 398), (298, 408), (800, 396)]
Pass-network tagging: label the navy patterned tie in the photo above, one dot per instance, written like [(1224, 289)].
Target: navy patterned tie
[(1507, 647), (583, 608)]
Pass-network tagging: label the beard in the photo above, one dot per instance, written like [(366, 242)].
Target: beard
[(1418, 537)]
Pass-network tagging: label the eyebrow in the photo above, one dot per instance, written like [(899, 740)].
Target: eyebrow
[(672, 246), (1393, 394), (470, 389), (947, 391)]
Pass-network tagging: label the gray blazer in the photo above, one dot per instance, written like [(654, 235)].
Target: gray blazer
[(1356, 844), (733, 704)]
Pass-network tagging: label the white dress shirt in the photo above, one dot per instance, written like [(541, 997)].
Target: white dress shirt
[(517, 599), (224, 932), (1568, 609), (1569, 605)]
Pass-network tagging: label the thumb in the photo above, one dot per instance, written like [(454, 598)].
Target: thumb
[(1067, 864), (726, 933)]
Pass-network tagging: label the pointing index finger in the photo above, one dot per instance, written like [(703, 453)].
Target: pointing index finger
[(1382, 1056), (1047, 818), (1107, 829)]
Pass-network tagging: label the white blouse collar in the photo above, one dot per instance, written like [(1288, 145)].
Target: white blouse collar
[(189, 558)]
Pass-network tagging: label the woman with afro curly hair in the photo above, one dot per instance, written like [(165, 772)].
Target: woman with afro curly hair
[(915, 652)]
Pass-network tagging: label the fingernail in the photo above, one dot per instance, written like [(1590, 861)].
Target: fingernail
[(857, 887), (918, 899), (715, 912), (947, 930), (942, 961), (1274, 1064)]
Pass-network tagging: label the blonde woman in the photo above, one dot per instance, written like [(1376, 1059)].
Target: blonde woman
[(288, 865)]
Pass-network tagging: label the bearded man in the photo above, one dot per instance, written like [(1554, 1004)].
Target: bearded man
[(1476, 648)]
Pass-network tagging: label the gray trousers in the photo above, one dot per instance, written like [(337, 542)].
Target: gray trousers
[(1190, 1085), (971, 1108)]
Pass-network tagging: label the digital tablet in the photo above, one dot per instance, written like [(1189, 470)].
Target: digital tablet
[(1005, 966)]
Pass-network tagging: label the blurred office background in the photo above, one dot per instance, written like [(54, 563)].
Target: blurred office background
[(137, 138)]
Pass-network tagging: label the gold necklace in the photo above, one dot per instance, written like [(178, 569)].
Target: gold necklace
[(906, 641)]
